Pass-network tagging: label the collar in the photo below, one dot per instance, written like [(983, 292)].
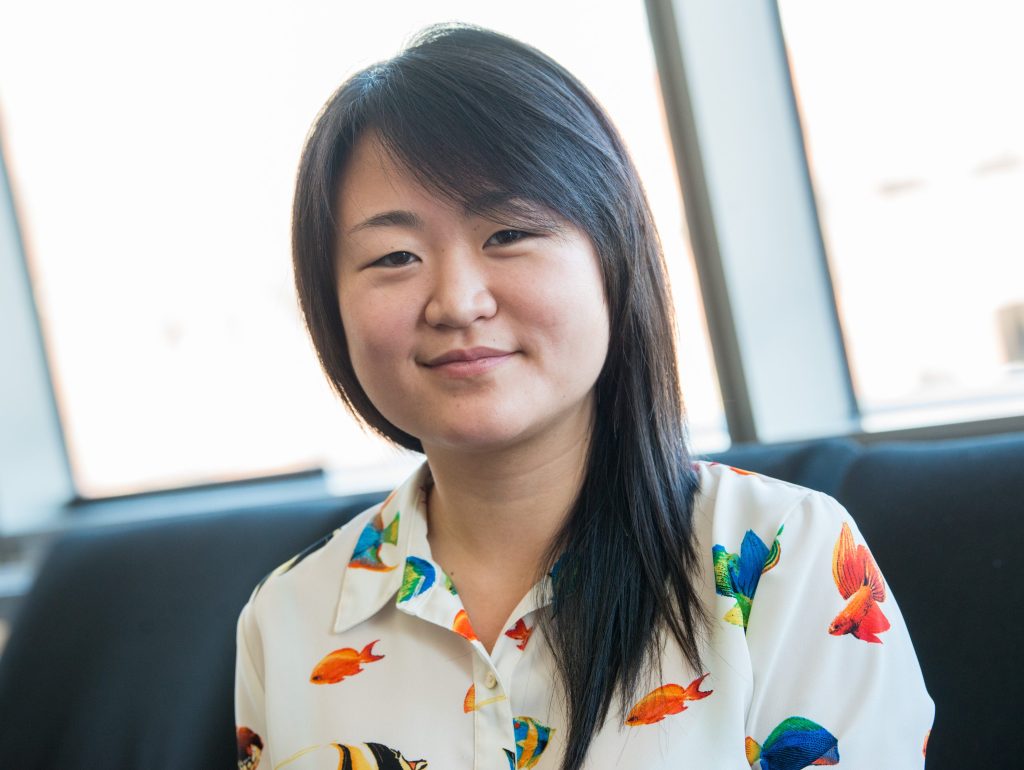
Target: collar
[(375, 572), (392, 557)]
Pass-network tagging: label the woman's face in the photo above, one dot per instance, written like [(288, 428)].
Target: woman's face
[(465, 332)]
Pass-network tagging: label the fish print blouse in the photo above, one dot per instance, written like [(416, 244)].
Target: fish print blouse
[(357, 654)]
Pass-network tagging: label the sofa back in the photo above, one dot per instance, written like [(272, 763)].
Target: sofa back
[(945, 522), (123, 653)]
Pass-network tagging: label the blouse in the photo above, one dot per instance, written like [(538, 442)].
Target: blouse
[(357, 653)]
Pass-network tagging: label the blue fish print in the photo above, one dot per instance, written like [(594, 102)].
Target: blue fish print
[(419, 576), (531, 739), (373, 536), (795, 744), (737, 575)]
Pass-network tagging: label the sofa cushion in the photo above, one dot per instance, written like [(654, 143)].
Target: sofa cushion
[(123, 654), (818, 465), (945, 520)]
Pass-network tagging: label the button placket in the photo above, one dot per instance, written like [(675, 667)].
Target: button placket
[(492, 715)]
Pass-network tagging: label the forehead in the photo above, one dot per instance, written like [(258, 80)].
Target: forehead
[(372, 182)]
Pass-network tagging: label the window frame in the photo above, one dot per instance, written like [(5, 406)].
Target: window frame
[(703, 48), (747, 151)]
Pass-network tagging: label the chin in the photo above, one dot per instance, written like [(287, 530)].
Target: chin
[(475, 441), (490, 426), (475, 435)]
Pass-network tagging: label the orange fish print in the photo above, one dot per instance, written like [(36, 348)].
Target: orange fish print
[(735, 470), (667, 699), (521, 633), (859, 580), (250, 749), (462, 627), (469, 703), (342, 663)]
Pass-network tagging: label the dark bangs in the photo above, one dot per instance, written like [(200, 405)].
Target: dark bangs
[(479, 128), (495, 126)]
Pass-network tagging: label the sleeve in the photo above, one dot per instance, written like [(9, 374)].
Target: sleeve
[(836, 680), (250, 712)]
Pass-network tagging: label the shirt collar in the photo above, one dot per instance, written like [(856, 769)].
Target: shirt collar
[(374, 573), (392, 556)]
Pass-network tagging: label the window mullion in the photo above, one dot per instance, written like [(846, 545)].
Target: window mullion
[(756, 237), (35, 478)]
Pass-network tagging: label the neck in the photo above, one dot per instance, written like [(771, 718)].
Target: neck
[(500, 510)]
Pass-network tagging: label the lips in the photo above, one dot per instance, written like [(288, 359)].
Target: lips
[(468, 354), (467, 364)]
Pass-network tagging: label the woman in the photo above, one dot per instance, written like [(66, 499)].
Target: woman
[(558, 585)]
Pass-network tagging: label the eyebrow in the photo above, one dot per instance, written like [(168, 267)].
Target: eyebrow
[(497, 202), (390, 219)]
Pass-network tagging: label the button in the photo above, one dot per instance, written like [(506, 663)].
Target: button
[(491, 681)]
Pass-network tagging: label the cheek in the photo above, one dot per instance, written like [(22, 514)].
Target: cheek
[(570, 321), (376, 333)]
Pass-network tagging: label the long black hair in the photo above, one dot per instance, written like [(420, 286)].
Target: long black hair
[(477, 116)]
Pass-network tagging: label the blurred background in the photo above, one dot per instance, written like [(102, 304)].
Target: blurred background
[(839, 192)]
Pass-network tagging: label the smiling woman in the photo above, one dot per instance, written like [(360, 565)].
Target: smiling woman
[(558, 582), (463, 331)]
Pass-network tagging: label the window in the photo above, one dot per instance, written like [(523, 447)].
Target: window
[(152, 163), (915, 140)]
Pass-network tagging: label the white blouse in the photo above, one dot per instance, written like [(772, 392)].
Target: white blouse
[(357, 654)]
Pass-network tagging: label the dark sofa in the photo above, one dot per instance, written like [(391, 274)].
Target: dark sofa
[(122, 655)]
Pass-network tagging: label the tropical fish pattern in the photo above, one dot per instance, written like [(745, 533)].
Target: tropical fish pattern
[(521, 633), (737, 575), (366, 756), (740, 471), (665, 700), (418, 578), (462, 626), (250, 749), (373, 536), (384, 758), (860, 582), (470, 703), (362, 583), (531, 739), (337, 665), (796, 743)]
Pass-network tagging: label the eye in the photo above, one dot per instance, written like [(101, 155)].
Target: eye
[(395, 259), (505, 237)]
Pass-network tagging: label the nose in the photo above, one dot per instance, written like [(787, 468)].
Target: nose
[(459, 292)]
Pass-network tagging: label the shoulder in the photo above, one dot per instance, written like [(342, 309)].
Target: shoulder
[(325, 559), (734, 498), (295, 597), (735, 507)]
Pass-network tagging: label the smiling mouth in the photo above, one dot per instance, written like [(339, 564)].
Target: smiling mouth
[(468, 363), (467, 355)]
